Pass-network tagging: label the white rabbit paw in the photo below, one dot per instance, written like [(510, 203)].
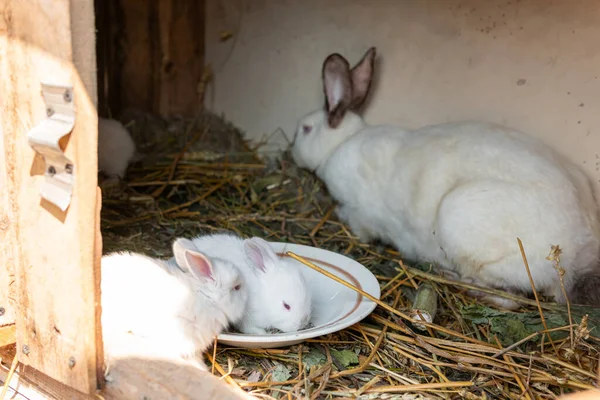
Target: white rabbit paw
[(187, 349), (344, 214), (494, 301), (341, 212), (454, 276), (256, 331), (250, 329), (363, 234), (198, 362)]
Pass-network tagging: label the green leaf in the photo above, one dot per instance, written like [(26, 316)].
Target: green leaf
[(313, 357), (511, 327), (281, 373), (345, 357)]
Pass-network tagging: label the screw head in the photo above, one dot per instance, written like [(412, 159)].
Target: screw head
[(51, 170), (25, 349), (67, 96), (71, 362), (49, 111), (2, 311)]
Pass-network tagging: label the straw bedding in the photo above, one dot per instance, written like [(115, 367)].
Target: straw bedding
[(199, 176)]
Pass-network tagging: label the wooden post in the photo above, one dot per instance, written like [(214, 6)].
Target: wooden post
[(7, 236), (50, 252)]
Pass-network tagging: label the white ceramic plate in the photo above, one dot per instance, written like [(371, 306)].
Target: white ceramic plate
[(335, 306)]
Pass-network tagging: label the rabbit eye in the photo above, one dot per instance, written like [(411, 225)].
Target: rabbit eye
[(306, 129), (237, 287), (286, 305)]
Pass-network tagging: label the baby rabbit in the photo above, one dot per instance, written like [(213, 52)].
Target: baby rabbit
[(116, 148), (278, 295), (456, 194), (176, 307)]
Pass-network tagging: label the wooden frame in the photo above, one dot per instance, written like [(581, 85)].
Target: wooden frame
[(49, 280)]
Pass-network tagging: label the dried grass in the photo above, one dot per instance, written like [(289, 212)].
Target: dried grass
[(199, 177)]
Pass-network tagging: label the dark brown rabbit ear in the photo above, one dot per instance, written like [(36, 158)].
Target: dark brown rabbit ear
[(337, 85), (362, 76)]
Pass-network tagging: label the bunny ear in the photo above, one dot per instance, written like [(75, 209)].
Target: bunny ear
[(179, 248), (197, 263), (362, 76), (259, 253), (337, 85)]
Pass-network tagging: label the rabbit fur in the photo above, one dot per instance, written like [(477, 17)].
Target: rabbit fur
[(278, 294), (116, 148), (174, 308), (457, 195)]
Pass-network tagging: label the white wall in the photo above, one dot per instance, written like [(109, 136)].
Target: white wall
[(531, 64)]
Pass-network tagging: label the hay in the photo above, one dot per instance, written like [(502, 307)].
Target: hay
[(200, 177)]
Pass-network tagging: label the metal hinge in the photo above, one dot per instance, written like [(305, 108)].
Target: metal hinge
[(45, 138)]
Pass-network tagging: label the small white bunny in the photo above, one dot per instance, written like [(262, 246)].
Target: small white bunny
[(456, 194), (278, 294), (116, 148), (174, 308)]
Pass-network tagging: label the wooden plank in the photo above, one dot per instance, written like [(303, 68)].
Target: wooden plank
[(7, 240), (33, 385), (152, 379), (19, 391), (7, 353), (181, 30), (101, 13), (54, 250), (7, 231), (134, 39), (8, 335), (97, 291), (159, 55), (131, 379)]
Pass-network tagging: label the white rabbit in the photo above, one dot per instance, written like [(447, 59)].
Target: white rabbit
[(116, 148), (176, 307), (278, 295), (456, 194)]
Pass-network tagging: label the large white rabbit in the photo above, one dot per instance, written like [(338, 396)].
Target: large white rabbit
[(455, 194)]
